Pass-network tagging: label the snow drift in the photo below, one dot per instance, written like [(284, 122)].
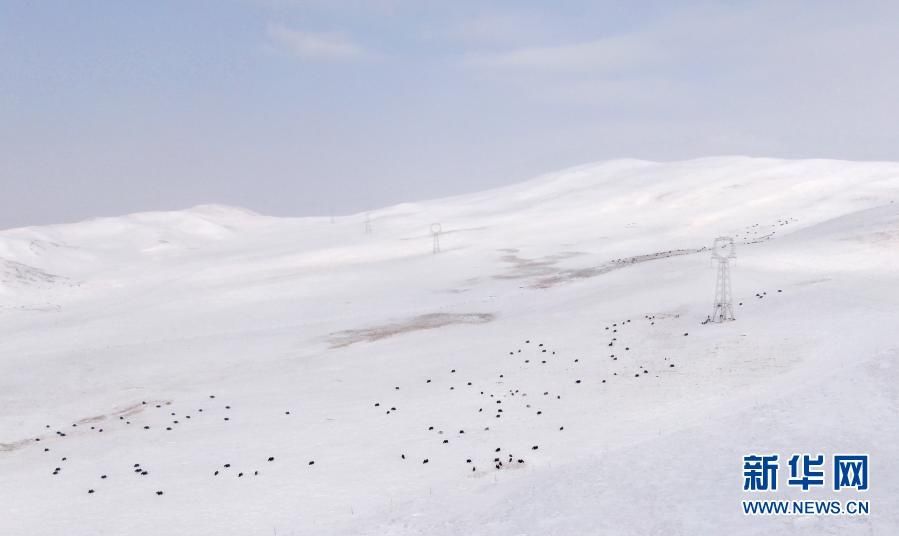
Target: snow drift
[(298, 376)]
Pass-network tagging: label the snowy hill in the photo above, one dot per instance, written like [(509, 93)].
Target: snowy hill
[(557, 331)]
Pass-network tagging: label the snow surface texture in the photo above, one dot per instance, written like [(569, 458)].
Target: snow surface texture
[(291, 376)]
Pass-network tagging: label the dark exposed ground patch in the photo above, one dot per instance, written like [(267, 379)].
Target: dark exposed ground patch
[(524, 268), (344, 338), (16, 274), (120, 412), (447, 232), (812, 282), (15, 445), (567, 276)]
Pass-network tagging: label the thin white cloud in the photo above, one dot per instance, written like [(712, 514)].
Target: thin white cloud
[(316, 46), (596, 56), (506, 28)]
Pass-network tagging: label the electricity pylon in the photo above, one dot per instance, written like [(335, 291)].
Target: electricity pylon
[(436, 229), (723, 251)]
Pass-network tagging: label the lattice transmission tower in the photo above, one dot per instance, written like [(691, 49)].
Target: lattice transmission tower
[(723, 250), (436, 229)]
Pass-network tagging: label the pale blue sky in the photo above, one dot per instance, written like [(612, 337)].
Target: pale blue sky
[(295, 107)]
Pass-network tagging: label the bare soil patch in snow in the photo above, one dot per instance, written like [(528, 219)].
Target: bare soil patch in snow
[(14, 273), (341, 339), (523, 268), (122, 412), (567, 276)]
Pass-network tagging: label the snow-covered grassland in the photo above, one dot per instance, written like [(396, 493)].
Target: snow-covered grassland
[(321, 343)]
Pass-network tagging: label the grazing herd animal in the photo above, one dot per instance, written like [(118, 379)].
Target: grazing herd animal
[(137, 468), (621, 334), (508, 402)]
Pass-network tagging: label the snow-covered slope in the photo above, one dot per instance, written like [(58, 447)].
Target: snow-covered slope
[(189, 340)]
